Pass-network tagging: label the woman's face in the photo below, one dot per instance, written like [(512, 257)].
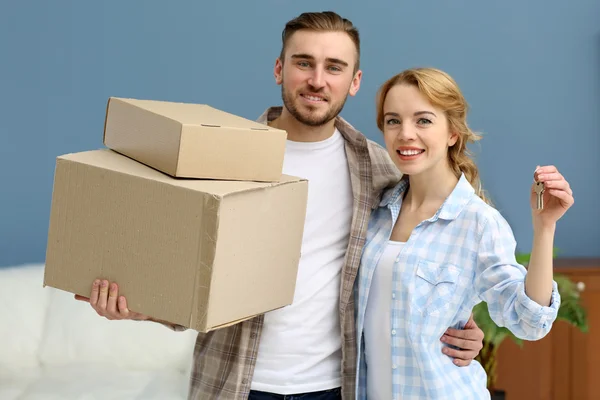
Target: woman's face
[(416, 133)]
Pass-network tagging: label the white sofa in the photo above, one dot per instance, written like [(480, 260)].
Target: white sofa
[(55, 347)]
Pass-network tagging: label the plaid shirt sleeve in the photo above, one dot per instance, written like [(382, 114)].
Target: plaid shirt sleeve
[(500, 283)]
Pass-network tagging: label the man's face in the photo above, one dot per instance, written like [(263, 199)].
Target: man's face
[(317, 75)]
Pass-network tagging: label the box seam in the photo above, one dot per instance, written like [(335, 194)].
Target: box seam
[(205, 261)]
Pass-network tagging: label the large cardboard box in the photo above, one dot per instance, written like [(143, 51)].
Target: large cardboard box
[(199, 253), (194, 140)]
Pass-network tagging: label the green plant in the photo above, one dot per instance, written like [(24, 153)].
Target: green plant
[(570, 311)]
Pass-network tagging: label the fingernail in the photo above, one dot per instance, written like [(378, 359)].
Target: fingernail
[(96, 282), (104, 283), (445, 350), (443, 338)]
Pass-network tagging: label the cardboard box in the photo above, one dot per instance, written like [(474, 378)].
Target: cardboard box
[(194, 140), (200, 253)]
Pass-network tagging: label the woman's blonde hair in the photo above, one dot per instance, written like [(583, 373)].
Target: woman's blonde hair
[(442, 92)]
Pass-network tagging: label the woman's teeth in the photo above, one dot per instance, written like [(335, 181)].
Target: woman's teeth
[(410, 152)]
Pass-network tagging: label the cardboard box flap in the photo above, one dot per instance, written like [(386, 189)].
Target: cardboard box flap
[(196, 114), (224, 188), (113, 161)]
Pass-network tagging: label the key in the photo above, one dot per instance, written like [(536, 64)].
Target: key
[(539, 191)]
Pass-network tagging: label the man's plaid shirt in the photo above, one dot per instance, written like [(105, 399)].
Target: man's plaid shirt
[(224, 359)]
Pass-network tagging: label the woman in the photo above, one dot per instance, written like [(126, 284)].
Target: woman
[(435, 248)]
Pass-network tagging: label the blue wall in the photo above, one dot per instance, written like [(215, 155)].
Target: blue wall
[(531, 71)]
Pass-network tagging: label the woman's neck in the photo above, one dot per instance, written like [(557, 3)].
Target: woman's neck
[(428, 190)]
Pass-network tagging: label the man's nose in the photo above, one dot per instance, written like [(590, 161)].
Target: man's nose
[(317, 79)]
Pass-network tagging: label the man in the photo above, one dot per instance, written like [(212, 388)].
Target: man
[(309, 347)]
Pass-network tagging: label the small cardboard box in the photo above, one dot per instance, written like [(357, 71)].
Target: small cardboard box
[(199, 253), (188, 140)]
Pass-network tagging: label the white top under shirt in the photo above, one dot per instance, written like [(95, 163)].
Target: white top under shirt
[(377, 326), (300, 345)]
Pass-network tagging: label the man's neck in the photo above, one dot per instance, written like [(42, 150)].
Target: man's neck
[(299, 132)]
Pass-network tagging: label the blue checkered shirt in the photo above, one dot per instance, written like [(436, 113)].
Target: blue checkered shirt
[(461, 256)]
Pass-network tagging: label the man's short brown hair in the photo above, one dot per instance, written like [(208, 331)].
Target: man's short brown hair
[(325, 21)]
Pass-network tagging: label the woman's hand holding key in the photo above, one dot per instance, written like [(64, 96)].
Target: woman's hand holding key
[(557, 196)]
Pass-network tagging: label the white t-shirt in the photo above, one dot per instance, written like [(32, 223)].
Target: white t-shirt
[(300, 345), (378, 355)]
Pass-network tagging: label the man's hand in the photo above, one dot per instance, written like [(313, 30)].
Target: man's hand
[(469, 340), (105, 300)]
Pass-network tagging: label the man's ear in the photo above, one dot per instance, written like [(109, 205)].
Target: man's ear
[(278, 71), (355, 85)]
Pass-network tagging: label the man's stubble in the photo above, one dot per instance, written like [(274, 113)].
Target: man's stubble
[(311, 119)]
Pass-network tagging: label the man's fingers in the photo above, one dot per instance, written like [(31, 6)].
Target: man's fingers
[(467, 344), (468, 334), (111, 303), (461, 363), (103, 295), (470, 323), (458, 333), (107, 303), (123, 310), (456, 342), (95, 293), (82, 298), (459, 354)]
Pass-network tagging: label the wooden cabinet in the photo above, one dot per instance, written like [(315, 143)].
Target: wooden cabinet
[(565, 364)]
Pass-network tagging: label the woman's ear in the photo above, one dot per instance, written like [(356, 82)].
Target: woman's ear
[(452, 139)]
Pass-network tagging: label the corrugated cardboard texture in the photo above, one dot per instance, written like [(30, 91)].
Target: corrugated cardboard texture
[(198, 253), (180, 139)]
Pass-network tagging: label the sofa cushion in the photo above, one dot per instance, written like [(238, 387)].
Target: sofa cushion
[(76, 334), (87, 382), (24, 304)]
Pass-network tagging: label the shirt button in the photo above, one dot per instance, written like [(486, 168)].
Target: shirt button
[(393, 295), (244, 381), (393, 367), (393, 331), (397, 259)]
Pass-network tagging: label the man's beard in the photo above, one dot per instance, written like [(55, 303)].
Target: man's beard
[(310, 120)]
